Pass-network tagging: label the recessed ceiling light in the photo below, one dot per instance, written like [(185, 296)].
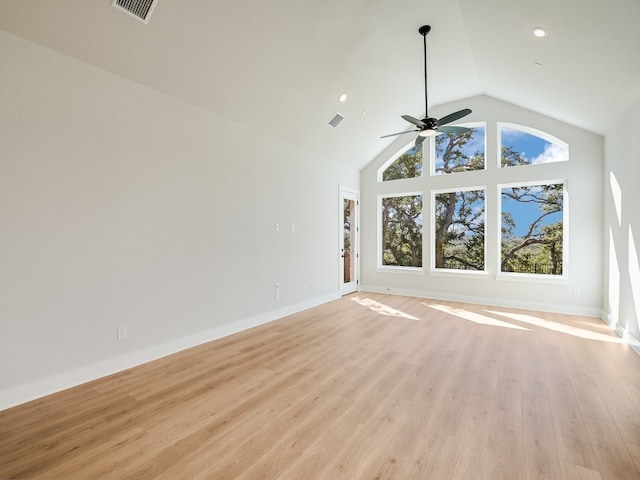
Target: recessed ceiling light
[(537, 65), (539, 32), (343, 97)]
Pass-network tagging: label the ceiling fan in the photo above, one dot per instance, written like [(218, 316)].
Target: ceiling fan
[(429, 126)]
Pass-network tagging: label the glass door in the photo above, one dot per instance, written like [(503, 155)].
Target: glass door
[(349, 241)]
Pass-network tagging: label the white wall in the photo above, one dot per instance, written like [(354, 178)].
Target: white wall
[(120, 206), (622, 226), (581, 293)]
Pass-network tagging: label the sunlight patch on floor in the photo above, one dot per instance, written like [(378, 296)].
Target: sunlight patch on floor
[(604, 327), (382, 309), (559, 327), (474, 317)]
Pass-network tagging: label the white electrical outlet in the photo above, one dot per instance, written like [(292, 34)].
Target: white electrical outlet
[(277, 291), (122, 333)]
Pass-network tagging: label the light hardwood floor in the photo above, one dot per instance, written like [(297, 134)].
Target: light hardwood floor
[(367, 387)]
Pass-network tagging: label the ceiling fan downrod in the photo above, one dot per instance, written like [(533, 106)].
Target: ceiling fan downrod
[(429, 126), (424, 30)]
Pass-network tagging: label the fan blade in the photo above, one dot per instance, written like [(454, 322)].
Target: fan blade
[(453, 129), (452, 117), (415, 121), (419, 140), (399, 133)]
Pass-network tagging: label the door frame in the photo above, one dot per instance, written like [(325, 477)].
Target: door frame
[(353, 286)]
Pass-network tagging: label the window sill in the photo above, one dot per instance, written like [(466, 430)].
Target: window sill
[(532, 278), (401, 270), (481, 275)]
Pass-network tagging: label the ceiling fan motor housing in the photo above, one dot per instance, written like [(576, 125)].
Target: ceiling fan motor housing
[(431, 123)]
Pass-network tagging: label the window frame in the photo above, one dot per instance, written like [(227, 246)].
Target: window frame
[(396, 156), (432, 151), (432, 237), (535, 277), (380, 267)]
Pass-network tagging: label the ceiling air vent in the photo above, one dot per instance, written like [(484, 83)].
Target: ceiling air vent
[(335, 121), (140, 9)]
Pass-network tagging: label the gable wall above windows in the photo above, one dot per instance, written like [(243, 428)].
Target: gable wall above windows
[(571, 191)]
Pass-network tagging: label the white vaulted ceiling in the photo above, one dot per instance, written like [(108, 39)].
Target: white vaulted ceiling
[(279, 66)]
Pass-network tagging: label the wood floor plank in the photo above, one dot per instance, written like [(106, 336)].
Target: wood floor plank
[(570, 430), (554, 365), (333, 441), (540, 459), (577, 472), (473, 437), (368, 386), (294, 439), (99, 462), (590, 401), (504, 455), (621, 408), (384, 419), (533, 376), (488, 368), (613, 458), (634, 451), (506, 410)]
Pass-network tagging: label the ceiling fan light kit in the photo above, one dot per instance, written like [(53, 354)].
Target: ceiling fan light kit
[(427, 132), (430, 126)]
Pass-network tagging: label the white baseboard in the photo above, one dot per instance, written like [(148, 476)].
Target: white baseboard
[(541, 307), (17, 395)]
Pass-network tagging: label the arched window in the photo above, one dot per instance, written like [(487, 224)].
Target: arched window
[(460, 152), (407, 163), (521, 145)]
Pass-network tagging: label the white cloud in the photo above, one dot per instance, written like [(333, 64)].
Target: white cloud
[(552, 153), (511, 135)]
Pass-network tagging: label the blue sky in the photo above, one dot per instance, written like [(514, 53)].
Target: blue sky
[(526, 213), (533, 148), (536, 150), (528, 145)]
